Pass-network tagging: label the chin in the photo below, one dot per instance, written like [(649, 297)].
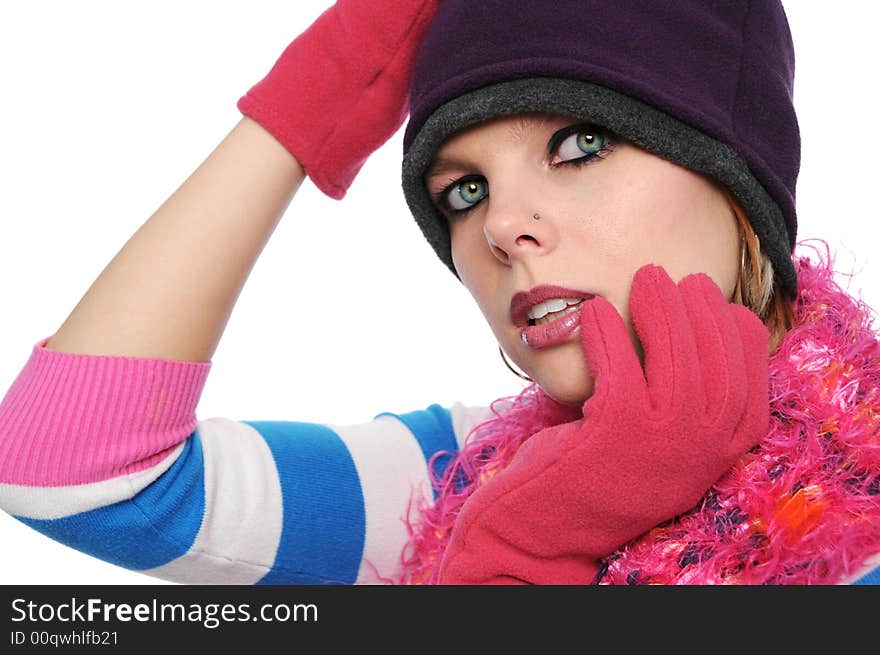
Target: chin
[(567, 397), (572, 389)]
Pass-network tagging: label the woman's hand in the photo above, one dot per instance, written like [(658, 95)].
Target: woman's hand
[(341, 89), (647, 448)]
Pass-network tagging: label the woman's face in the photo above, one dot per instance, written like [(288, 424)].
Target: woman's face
[(531, 219)]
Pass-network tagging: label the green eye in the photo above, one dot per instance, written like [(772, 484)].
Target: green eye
[(468, 191), (580, 143)]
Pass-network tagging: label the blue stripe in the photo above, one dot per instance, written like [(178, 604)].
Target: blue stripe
[(154, 527), (324, 529), (432, 428), (870, 578)]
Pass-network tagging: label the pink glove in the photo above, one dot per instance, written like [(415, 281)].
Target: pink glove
[(647, 449), (341, 89)]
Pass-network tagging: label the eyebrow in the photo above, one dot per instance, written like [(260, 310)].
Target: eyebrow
[(443, 164), (517, 131), (525, 125)]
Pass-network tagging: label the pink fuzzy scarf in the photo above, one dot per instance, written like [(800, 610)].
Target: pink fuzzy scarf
[(802, 508)]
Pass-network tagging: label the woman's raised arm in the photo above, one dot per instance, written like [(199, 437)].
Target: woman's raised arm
[(100, 447), (194, 252), (337, 93)]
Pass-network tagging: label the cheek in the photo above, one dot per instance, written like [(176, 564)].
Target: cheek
[(659, 204), (681, 220), (461, 247), (469, 256)]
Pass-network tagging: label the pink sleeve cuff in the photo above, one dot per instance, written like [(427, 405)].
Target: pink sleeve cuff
[(74, 419)]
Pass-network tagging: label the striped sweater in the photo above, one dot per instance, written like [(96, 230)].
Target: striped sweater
[(105, 454)]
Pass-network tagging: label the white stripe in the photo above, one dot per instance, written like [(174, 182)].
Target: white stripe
[(241, 530), (464, 418), (390, 465), (57, 502), (870, 564)]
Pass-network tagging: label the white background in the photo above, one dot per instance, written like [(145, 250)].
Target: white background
[(107, 107)]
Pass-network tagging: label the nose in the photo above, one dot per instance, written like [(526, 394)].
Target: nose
[(518, 232)]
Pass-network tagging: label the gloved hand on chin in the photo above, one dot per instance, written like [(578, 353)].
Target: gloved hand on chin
[(648, 447)]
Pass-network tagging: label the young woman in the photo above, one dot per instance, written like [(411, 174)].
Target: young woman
[(703, 402)]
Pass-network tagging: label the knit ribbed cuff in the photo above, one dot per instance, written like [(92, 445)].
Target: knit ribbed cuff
[(74, 419)]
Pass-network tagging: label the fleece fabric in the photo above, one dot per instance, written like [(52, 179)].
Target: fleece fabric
[(339, 90), (647, 447)]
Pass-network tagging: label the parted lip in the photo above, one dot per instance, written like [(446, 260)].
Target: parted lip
[(523, 301)]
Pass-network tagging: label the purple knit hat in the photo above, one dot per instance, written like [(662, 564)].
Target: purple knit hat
[(707, 84)]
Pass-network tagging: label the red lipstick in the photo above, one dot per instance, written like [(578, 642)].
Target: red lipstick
[(546, 334)]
